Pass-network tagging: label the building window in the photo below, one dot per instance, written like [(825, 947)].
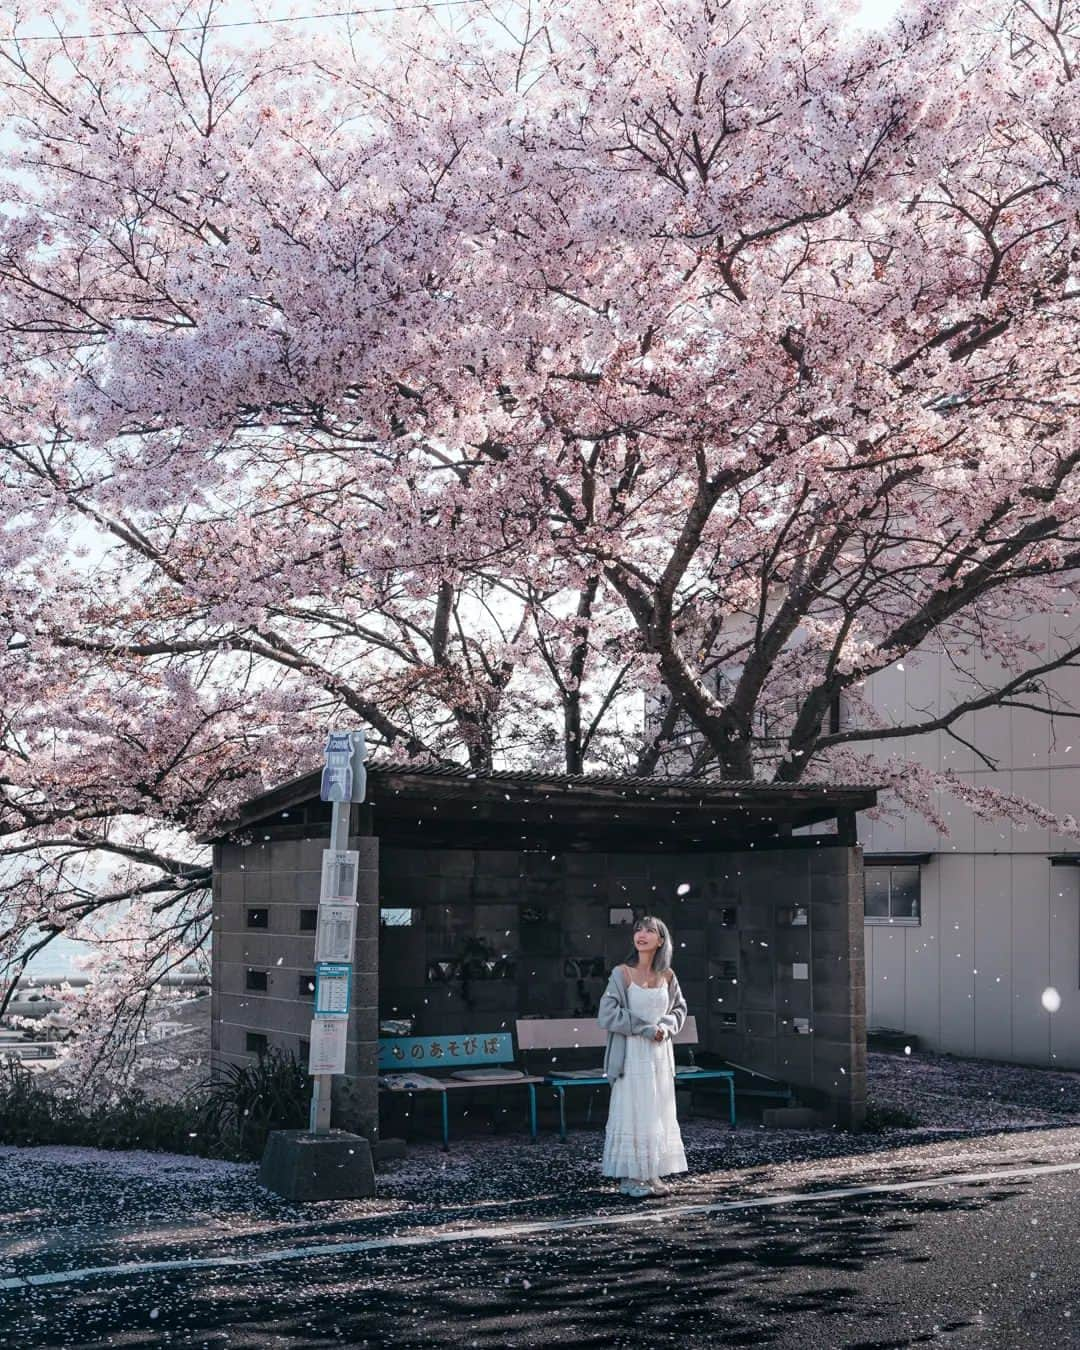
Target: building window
[(258, 918), (257, 981), (405, 1025), (892, 894), (395, 918), (256, 1043), (309, 920), (307, 986)]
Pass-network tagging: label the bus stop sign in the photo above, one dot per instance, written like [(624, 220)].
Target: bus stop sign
[(344, 777)]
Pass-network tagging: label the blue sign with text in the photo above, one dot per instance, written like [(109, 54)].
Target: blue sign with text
[(333, 988)]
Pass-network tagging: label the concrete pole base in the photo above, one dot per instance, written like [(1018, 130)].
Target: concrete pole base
[(302, 1166)]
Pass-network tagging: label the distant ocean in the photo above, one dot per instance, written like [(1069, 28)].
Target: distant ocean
[(57, 960)]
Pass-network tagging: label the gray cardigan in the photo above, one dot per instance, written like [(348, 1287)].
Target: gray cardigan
[(619, 1020)]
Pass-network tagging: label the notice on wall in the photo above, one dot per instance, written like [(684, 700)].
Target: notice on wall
[(336, 933), (332, 988), (340, 868), (327, 1054)]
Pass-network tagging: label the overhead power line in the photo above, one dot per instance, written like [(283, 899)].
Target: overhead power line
[(237, 23)]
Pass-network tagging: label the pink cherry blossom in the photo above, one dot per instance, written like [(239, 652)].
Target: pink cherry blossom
[(564, 357)]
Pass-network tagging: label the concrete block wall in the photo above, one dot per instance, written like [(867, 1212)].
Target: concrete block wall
[(282, 877), (738, 956), (737, 953), (546, 916), (826, 1063)]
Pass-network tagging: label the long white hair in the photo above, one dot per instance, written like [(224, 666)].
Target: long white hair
[(662, 957)]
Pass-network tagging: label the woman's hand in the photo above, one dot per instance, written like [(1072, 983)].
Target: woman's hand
[(660, 1034)]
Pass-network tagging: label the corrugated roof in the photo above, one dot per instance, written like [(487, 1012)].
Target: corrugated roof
[(409, 781), (536, 776)]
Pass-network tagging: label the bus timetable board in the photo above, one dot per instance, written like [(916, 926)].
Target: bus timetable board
[(327, 1038), (340, 874), (336, 933), (333, 985)]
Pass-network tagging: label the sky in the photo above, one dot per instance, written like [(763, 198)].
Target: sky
[(875, 13), (872, 13)]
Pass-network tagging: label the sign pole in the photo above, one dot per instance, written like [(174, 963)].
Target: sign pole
[(343, 782), (320, 1096)]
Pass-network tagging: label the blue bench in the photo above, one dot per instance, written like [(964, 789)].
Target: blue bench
[(485, 1058), (566, 1033)]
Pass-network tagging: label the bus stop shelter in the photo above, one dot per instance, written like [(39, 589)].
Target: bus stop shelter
[(488, 897)]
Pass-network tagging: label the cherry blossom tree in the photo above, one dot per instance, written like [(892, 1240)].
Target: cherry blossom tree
[(476, 376)]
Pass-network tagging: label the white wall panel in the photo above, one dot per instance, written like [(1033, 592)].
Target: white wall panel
[(993, 835), (923, 942), (889, 835), (1030, 729), (1064, 1025), (922, 700), (992, 971), (956, 751), (1065, 800), (991, 902), (1063, 732), (1034, 784), (993, 729), (957, 954), (885, 691), (890, 960), (961, 823), (1030, 958)]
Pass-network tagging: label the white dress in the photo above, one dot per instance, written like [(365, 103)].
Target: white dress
[(643, 1139)]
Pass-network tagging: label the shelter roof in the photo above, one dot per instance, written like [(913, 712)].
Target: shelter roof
[(451, 805)]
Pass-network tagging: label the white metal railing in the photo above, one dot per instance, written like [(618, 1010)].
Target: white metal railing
[(177, 980), (28, 1050)]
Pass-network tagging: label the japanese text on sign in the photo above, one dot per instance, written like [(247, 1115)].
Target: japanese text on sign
[(344, 775), (327, 1053), (332, 988), (339, 876), (336, 931), (468, 1045)]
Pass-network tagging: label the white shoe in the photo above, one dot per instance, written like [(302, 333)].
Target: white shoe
[(638, 1189), (657, 1187)]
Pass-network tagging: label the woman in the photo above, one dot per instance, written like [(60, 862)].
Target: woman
[(641, 1010)]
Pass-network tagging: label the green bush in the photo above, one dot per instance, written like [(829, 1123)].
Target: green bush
[(228, 1118), (137, 1122), (31, 1115), (882, 1117), (248, 1101)]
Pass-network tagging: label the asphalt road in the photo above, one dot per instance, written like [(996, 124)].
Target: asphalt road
[(986, 1258)]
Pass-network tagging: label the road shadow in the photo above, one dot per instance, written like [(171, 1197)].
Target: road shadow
[(750, 1278)]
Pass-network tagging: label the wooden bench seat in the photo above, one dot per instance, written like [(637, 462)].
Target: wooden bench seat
[(422, 1054), (570, 1033)]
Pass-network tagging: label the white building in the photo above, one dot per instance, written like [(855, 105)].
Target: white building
[(969, 937), (965, 934)]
